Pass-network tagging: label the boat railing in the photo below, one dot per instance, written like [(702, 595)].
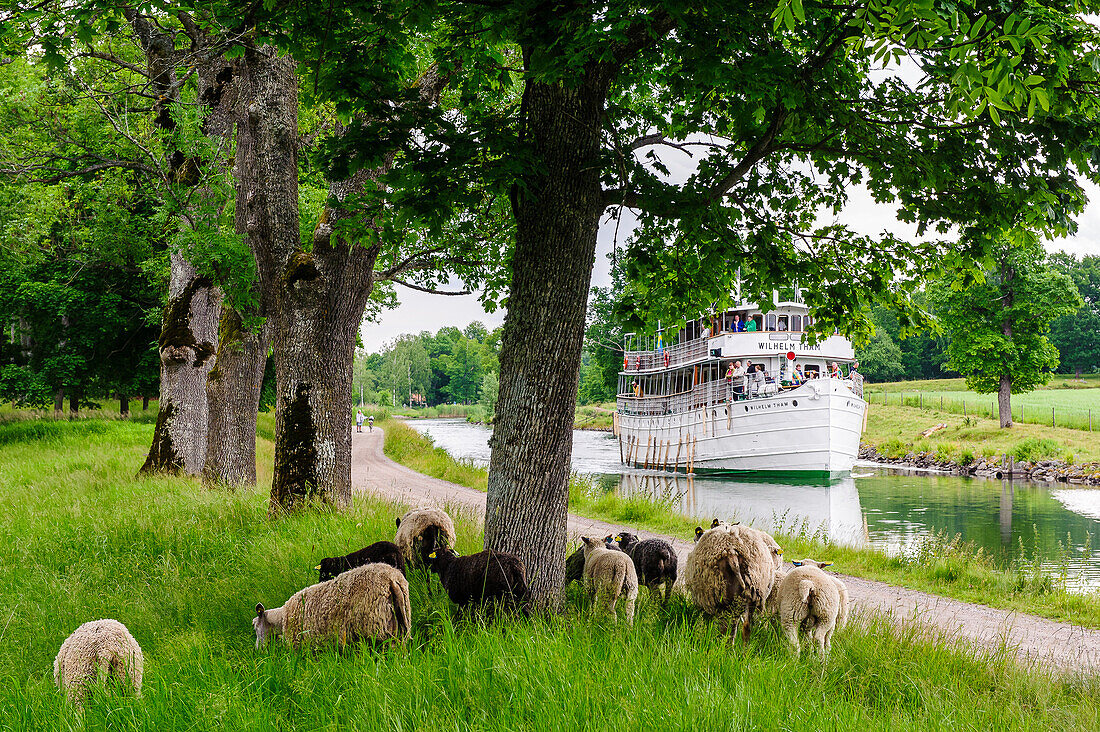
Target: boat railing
[(681, 353), (713, 393)]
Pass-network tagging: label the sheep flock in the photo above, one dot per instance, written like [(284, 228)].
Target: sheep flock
[(733, 572)]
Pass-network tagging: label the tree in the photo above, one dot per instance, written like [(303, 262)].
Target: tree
[(603, 350), (785, 114), (880, 358), (999, 323), (1077, 336)]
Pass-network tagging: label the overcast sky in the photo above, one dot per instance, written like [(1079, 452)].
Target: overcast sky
[(420, 311)]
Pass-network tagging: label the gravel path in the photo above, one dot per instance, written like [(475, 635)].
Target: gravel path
[(1059, 645)]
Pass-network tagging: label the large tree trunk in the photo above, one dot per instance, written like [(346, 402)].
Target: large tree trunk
[(124, 405), (58, 401), (557, 218), (233, 395), (188, 341), (314, 300), (76, 393)]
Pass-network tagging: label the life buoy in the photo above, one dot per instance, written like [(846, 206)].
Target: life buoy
[(666, 359)]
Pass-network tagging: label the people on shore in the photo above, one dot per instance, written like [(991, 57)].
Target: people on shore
[(359, 420)]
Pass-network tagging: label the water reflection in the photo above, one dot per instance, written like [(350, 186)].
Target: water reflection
[(1053, 524)]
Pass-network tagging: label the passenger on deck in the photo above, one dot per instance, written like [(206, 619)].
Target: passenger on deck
[(750, 325), (738, 326), (798, 378), (736, 376), (706, 332), (834, 370), (759, 378)]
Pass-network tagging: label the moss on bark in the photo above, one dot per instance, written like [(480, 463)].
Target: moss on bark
[(295, 481), (163, 457)]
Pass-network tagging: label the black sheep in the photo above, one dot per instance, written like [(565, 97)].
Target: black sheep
[(654, 559), (482, 577), (385, 552)]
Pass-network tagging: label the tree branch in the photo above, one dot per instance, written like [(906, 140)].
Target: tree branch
[(411, 286)]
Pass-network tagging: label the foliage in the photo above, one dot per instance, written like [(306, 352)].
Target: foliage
[(1033, 449), (602, 357), (999, 326), (1077, 336), (450, 366)]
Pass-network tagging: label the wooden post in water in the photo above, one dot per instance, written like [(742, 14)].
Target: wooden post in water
[(648, 446), (621, 461), (679, 446)]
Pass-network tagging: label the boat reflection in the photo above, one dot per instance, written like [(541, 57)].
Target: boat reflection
[(831, 511)]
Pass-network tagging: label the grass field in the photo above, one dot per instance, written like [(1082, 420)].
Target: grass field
[(940, 565), (1064, 402), (896, 430), (183, 567)]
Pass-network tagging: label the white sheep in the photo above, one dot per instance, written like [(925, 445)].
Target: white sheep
[(806, 598), (611, 573), (98, 646), (732, 567), (422, 531), (371, 601)]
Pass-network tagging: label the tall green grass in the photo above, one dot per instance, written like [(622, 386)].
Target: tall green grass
[(183, 567)]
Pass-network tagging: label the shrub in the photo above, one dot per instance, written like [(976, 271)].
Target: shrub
[(965, 456), (1035, 448), (945, 450)]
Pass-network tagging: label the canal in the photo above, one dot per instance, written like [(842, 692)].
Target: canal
[(1056, 524)]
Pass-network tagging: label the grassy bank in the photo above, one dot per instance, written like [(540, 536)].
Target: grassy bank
[(940, 565), (895, 430), (183, 567)]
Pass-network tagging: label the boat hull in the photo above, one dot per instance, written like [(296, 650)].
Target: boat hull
[(812, 431)]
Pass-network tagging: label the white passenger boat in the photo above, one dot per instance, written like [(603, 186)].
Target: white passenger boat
[(677, 408)]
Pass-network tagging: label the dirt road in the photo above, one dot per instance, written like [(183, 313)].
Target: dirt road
[(1034, 639)]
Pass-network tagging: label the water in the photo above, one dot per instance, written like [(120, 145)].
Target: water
[(1058, 524)]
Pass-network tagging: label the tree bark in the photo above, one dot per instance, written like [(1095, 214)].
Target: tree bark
[(188, 341), (124, 405), (557, 217), (145, 402), (233, 393), (58, 401), (1004, 400)]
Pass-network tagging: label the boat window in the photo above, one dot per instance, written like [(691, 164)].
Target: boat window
[(796, 322), (781, 324), (770, 322), (807, 322)]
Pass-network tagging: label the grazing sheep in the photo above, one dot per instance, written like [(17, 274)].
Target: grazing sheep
[(714, 525), (385, 552), (808, 599), (422, 531), (488, 576), (99, 645), (371, 601), (574, 563), (732, 567), (610, 572), (654, 560)]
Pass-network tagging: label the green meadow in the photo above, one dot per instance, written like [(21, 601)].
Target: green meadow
[(183, 567)]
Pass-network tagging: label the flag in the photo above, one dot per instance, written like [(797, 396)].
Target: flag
[(660, 344)]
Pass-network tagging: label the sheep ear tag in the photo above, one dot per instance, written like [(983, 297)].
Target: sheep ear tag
[(317, 567), (431, 556), (797, 564), (698, 530), (826, 564), (618, 538)]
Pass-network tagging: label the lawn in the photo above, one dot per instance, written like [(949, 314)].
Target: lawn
[(183, 567)]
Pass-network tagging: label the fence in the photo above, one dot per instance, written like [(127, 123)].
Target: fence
[(1076, 418)]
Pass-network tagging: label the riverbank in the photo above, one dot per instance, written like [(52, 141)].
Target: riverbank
[(939, 565), (183, 567), (977, 446)]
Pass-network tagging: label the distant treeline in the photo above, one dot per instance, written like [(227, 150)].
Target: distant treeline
[(451, 366)]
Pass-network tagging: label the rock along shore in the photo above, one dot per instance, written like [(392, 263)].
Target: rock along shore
[(1048, 471)]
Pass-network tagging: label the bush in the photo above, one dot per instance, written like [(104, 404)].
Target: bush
[(1034, 448), (965, 456)]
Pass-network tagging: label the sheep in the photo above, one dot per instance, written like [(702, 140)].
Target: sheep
[(714, 525), (806, 598), (574, 563), (732, 566), (654, 561), (486, 577), (421, 531), (610, 572), (385, 552), (371, 601), (98, 645)]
